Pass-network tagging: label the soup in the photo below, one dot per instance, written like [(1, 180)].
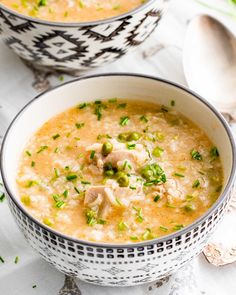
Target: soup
[(72, 10), (119, 171)]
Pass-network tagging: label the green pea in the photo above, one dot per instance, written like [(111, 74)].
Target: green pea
[(107, 148), (134, 136), (147, 173), (122, 179)]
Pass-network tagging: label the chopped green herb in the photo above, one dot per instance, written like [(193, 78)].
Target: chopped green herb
[(32, 164), (189, 208), (71, 177), (42, 3), (132, 187), (65, 193), (77, 190), (28, 153), (131, 146), (157, 152), (143, 119), (154, 174), (92, 154), (79, 125), (47, 221), (122, 106), (147, 235), (16, 260), (91, 217), (178, 227), (196, 155), (196, 184), (164, 109), (56, 136), (178, 175), (124, 120), (172, 103), (156, 198), (34, 286), (56, 150), (56, 172), (122, 226), (219, 188), (112, 100), (168, 205), (82, 105), (60, 204), (2, 197), (118, 201), (85, 182), (214, 152), (42, 148), (163, 228), (1, 259), (139, 215), (133, 238)]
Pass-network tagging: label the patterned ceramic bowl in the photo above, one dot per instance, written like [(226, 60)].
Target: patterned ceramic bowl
[(78, 46), (112, 264)]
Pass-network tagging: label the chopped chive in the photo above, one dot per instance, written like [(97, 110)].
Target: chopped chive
[(47, 221), (1, 259), (143, 118), (133, 238), (178, 227), (55, 136), (147, 235), (77, 190), (79, 125), (34, 286), (71, 177), (196, 155), (56, 172), (214, 152), (28, 153), (60, 204), (56, 150), (92, 155), (164, 109), (132, 187), (189, 208), (32, 164), (178, 174), (82, 105), (112, 100), (61, 78), (156, 198), (163, 228), (122, 106), (122, 226), (172, 103), (124, 120), (16, 260), (67, 168), (101, 221), (118, 201), (42, 148), (42, 3), (131, 146), (85, 182), (2, 197), (170, 205), (196, 184), (139, 214), (65, 193)]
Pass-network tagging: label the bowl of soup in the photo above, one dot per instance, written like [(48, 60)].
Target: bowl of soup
[(118, 179), (79, 34)]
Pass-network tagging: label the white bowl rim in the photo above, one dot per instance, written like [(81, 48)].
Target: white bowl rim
[(77, 24), (163, 239)]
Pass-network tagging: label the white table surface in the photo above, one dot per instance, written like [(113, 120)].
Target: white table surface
[(161, 56)]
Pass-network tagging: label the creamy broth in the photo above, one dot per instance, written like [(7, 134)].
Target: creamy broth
[(72, 10), (119, 171)]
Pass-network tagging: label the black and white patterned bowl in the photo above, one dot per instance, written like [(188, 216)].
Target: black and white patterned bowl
[(112, 264), (78, 46)]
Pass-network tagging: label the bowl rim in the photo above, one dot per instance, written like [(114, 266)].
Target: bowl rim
[(77, 24), (163, 239)]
